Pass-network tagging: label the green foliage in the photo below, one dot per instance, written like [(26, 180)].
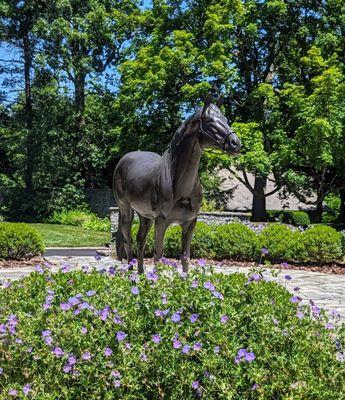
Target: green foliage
[(63, 353), (18, 240), (332, 202), (203, 241), (321, 244), (296, 218), (282, 242), (85, 219), (235, 241)]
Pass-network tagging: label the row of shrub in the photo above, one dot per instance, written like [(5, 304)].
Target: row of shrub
[(230, 241), (238, 242), (296, 218), (85, 219)]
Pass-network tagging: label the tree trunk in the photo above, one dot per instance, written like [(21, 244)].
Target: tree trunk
[(342, 206), (259, 200), (30, 138), (79, 98), (316, 215)]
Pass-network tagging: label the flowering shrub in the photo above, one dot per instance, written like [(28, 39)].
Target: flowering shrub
[(116, 335), (19, 240)]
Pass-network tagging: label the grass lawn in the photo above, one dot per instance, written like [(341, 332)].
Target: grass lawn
[(70, 236)]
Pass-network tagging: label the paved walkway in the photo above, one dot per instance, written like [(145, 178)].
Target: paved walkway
[(326, 290)]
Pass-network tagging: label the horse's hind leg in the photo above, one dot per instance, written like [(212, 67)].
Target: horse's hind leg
[(144, 228), (126, 219), (187, 234)]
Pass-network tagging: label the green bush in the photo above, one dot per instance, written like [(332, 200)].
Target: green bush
[(85, 219), (235, 241), (321, 244), (203, 241), (19, 240), (282, 243), (296, 218), (76, 335)]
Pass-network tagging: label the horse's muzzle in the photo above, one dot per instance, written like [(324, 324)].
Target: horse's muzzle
[(233, 145)]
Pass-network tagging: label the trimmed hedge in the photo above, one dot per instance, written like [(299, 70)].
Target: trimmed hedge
[(238, 242), (19, 240), (321, 244), (282, 243), (296, 218)]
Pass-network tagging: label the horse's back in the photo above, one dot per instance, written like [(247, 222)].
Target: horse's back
[(135, 174)]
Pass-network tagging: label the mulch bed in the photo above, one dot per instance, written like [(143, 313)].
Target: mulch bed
[(30, 262), (332, 268)]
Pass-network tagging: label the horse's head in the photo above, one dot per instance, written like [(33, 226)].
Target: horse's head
[(214, 129)]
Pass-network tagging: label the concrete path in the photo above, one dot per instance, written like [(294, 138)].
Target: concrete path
[(326, 290)]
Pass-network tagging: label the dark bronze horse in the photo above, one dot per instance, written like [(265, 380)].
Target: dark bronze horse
[(166, 189)]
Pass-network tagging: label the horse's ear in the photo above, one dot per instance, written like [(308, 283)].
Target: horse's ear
[(220, 101), (207, 103)]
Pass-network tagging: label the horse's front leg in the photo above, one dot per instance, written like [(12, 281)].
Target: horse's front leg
[(187, 234), (161, 225)]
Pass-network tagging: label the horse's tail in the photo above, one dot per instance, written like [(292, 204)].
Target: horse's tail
[(119, 241)]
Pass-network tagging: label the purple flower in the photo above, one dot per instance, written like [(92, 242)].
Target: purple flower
[(194, 284), (195, 385), (6, 284), (193, 318), (329, 325), (249, 357), (288, 277), (135, 290), (71, 360), (90, 293), (244, 355), (201, 263), (176, 344), (255, 386), (26, 389), (13, 392), (300, 314), (46, 333), (1, 371), (39, 269), (285, 264), (208, 285), (86, 356), (186, 349), (115, 374), (176, 317), (218, 295), (67, 368), (117, 383), (152, 276), (65, 306), (295, 299), (117, 320), (264, 251), (224, 319), (98, 257), (108, 352), (48, 340), (156, 338), (296, 289), (197, 346), (58, 352), (121, 336), (83, 330), (216, 349)]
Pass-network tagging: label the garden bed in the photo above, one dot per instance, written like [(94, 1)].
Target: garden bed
[(87, 334)]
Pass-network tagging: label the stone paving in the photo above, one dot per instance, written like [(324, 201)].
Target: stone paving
[(326, 290)]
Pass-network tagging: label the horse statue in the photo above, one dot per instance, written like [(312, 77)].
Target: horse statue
[(166, 189)]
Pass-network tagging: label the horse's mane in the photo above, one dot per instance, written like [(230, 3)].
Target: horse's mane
[(180, 132)]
